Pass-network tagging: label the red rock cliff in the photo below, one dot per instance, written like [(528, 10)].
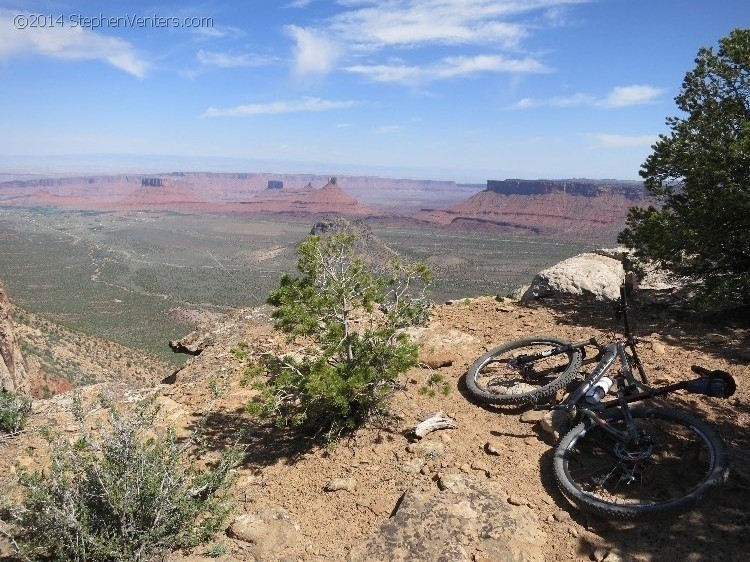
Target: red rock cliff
[(13, 375)]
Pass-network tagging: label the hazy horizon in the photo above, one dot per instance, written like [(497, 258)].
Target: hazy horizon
[(59, 166)]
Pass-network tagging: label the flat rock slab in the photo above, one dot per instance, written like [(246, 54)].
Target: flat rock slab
[(463, 520)]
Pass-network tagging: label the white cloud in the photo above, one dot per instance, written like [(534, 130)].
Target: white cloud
[(623, 96), (218, 32), (376, 24), (387, 73), (620, 96), (314, 53), (68, 43), (277, 107), (607, 140), (449, 67), (229, 60), (367, 27), (386, 129), (562, 101), (462, 66)]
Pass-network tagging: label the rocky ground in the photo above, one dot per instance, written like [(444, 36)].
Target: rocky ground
[(372, 495)]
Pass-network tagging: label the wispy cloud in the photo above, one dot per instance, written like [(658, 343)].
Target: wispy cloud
[(278, 107), (449, 67), (620, 96), (623, 96), (314, 53), (607, 140), (376, 24), (68, 43), (563, 101), (386, 129), (218, 32), (370, 27), (232, 60)]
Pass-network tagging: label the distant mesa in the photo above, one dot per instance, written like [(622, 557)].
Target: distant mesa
[(576, 208), (157, 193), (630, 190), (325, 200), (568, 208)]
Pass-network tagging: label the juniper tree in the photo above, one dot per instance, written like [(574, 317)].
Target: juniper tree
[(700, 173), (351, 320)]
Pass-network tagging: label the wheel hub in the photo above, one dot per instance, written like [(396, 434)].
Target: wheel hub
[(634, 456)]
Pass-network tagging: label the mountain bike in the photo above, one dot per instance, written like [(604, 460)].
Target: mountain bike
[(617, 461)]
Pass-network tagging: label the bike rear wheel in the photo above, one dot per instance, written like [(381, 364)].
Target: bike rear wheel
[(498, 377), (675, 462)]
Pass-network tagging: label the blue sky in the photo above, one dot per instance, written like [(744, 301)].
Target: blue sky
[(459, 89)]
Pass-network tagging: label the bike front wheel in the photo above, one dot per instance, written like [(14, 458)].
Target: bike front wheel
[(674, 461), (507, 375)]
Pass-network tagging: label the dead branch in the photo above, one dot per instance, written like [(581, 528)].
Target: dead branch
[(433, 423)]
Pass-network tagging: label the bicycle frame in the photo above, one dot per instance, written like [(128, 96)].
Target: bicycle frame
[(625, 384), (629, 390)]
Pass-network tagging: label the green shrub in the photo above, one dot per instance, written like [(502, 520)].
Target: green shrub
[(14, 409), (240, 351), (435, 381), (216, 550), (351, 320), (121, 496)]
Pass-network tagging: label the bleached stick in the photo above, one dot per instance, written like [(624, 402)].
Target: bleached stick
[(433, 423)]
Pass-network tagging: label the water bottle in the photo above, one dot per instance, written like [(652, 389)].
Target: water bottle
[(599, 390)]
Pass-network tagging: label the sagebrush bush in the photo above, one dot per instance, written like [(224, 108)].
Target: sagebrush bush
[(14, 409), (121, 495), (350, 323)]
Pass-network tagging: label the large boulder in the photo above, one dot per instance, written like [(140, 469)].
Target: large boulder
[(465, 521), (13, 374), (585, 274)]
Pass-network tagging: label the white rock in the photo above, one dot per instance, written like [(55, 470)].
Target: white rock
[(587, 273), (555, 422), (336, 484)]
